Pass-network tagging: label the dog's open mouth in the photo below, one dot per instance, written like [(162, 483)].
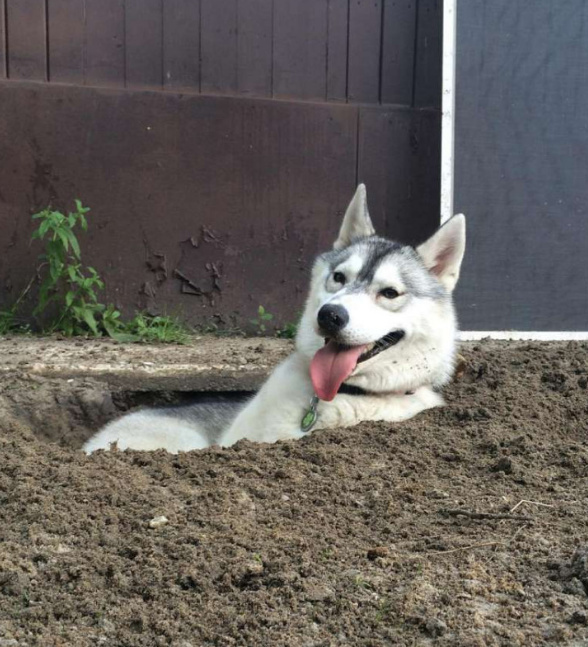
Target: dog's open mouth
[(334, 362)]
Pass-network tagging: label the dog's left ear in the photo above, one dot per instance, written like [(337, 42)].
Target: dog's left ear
[(356, 222), (443, 252)]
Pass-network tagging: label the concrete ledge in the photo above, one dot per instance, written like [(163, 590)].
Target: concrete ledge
[(206, 364)]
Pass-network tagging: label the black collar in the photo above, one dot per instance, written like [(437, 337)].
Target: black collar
[(349, 389)]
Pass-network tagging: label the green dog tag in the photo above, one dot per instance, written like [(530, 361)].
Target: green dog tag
[(310, 417)]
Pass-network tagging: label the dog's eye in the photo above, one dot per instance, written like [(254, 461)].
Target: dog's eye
[(389, 293), (339, 277)]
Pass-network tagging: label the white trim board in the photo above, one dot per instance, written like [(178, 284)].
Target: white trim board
[(520, 335), (448, 108)]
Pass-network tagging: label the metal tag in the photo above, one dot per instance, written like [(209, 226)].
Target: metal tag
[(311, 416)]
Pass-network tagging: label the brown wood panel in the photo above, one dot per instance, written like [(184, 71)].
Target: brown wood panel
[(398, 51), (254, 47), (399, 160), (144, 43), (365, 37), (300, 49), (337, 41), (65, 20), (27, 34), (218, 72), (181, 44), (179, 223), (105, 40), (429, 53), (2, 39)]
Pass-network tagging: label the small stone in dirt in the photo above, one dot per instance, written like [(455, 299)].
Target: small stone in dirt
[(437, 494), (574, 587), (435, 627), (505, 465), (578, 568), (318, 593), (377, 551), (461, 366), (578, 618), (254, 568), (452, 456), (157, 522)]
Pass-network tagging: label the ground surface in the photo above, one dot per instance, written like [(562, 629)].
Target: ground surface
[(348, 537)]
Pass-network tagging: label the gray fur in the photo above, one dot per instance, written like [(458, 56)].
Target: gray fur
[(214, 415), (417, 279)]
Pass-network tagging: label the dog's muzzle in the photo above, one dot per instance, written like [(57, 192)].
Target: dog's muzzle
[(332, 319)]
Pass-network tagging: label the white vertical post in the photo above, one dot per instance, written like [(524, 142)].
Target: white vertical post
[(448, 108)]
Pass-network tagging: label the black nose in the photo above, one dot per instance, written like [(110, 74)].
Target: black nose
[(332, 319)]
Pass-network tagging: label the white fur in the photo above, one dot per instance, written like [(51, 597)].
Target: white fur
[(356, 222), (422, 360), (144, 431), (443, 252)]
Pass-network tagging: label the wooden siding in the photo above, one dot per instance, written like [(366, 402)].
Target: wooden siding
[(206, 206), (217, 142), (363, 51)]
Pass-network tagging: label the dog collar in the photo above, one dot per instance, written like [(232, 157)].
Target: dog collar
[(349, 389), (310, 416)]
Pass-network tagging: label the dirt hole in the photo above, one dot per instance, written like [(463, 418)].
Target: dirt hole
[(68, 412)]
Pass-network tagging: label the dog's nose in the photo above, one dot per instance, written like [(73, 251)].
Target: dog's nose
[(332, 319)]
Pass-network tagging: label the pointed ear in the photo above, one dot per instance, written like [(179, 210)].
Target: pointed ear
[(356, 222), (443, 252)]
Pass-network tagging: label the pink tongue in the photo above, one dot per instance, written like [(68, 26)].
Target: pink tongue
[(331, 366)]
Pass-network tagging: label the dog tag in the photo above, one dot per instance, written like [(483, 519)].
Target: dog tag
[(310, 417)]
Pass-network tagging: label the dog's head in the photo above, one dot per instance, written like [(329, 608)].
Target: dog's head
[(382, 310)]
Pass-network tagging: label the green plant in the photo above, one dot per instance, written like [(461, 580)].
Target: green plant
[(74, 288), (262, 317), (159, 328), (360, 582), (288, 331), (8, 318), (384, 609), (7, 321), (67, 281)]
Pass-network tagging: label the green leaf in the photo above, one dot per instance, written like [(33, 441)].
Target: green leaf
[(88, 317), (73, 241), (69, 298), (43, 227), (81, 209), (63, 237)]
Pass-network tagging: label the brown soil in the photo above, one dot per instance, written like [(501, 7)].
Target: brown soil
[(465, 526)]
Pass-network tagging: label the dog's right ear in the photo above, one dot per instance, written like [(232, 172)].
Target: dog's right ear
[(356, 222)]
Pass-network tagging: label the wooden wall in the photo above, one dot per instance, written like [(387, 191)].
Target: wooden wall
[(366, 51), (216, 141)]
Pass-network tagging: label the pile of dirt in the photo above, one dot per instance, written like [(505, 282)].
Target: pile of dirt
[(465, 526)]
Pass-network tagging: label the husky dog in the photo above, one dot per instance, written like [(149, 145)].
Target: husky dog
[(376, 342)]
